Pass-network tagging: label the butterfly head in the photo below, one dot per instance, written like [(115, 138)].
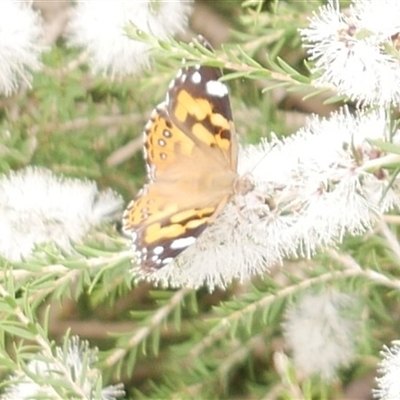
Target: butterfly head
[(243, 184)]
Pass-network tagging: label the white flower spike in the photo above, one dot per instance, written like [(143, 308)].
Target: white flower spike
[(21, 32), (357, 52), (38, 207), (389, 369), (311, 190), (71, 366), (320, 335), (99, 26)]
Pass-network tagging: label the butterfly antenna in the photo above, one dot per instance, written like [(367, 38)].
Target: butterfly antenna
[(261, 159)]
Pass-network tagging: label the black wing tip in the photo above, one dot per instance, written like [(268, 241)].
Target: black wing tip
[(200, 39)]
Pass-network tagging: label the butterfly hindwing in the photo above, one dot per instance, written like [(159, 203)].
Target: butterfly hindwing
[(161, 231)]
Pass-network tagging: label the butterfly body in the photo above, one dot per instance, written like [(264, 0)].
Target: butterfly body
[(191, 153)]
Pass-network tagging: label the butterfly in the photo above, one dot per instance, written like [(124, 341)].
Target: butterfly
[(190, 149)]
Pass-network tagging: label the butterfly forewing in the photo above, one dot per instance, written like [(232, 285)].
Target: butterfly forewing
[(164, 143), (198, 104), (190, 150)]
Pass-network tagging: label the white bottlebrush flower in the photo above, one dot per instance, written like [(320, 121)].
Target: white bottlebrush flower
[(37, 207), (380, 17), (389, 368), (321, 331), (70, 370), (99, 26), (311, 190), (20, 49), (357, 51)]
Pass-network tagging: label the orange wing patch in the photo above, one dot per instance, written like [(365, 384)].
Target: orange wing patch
[(163, 141)]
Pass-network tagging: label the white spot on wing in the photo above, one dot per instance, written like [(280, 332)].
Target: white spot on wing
[(196, 78), (158, 250), (145, 154), (171, 84), (155, 112), (167, 260), (151, 171), (160, 107), (133, 236), (144, 212), (182, 243), (216, 88)]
